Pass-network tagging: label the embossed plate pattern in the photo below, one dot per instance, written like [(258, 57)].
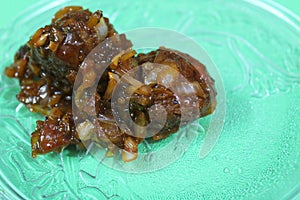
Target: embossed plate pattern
[(255, 44)]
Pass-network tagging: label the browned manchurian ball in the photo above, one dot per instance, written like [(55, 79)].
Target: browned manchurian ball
[(47, 66)]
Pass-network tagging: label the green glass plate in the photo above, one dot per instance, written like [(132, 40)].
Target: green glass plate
[(256, 47)]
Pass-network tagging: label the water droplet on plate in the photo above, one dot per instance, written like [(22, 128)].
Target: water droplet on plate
[(226, 170)]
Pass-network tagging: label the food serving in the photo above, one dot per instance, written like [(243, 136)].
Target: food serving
[(47, 67)]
